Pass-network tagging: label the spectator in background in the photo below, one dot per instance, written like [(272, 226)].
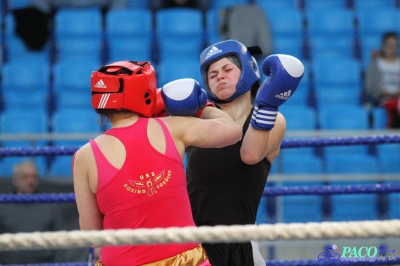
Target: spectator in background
[(382, 83), (27, 217), (248, 24)]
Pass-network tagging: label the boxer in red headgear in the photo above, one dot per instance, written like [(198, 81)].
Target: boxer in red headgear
[(109, 91), (132, 175)]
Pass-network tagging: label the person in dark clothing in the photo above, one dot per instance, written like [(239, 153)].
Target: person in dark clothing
[(225, 185), (26, 217)]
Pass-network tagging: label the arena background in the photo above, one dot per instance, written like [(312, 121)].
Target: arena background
[(45, 98)]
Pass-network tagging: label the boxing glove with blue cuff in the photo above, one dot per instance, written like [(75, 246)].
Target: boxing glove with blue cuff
[(284, 73), (184, 97)]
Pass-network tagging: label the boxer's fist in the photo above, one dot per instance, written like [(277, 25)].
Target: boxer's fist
[(183, 97), (284, 73)]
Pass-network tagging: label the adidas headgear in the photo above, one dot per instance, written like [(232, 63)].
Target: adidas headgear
[(125, 85), (250, 73)]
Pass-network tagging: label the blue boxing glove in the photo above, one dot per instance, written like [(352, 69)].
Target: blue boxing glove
[(284, 73), (183, 97)]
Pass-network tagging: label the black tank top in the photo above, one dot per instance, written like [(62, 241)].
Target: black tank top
[(223, 190)]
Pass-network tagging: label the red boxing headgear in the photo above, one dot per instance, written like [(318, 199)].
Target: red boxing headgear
[(125, 85)]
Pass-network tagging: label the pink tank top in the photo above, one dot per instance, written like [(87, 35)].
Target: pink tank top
[(148, 191)]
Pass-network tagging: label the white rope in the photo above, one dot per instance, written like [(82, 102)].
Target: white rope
[(205, 234)]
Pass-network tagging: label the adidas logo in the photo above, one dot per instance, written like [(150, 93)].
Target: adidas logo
[(100, 84), (284, 96), (214, 50)]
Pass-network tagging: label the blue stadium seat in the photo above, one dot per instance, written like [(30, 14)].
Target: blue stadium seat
[(326, 47), (287, 30), (61, 166), (75, 120), (343, 117), (333, 30), (129, 34), (379, 117), (278, 4), (175, 38), (78, 33), (71, 82), (335, 96), (187, 68), (349, 159), (301, 164), (388, 156), (368, 45), (24, 121), (15, 4), (25, 85), (227, 3), (78, 23), (318, 5), (346, 163), (139, 50), (299, 117), (288, 45), (84, 49), (212, 27), (373, 4), (353, 207), (394, 203), (301, 208), (133, 4), (373, 22), (71, 120), (333, 72)]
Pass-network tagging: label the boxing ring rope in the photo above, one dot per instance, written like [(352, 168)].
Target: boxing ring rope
[(206, 234), (212, 234), (271, 192)]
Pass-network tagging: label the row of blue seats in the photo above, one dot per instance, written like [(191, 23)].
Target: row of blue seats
[(67, 83), (209, 4), (385, 161), (161, 35), (384, 158), (316, 208), (330, 117)]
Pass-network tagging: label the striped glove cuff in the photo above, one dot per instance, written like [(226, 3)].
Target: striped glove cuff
[(264, 117)]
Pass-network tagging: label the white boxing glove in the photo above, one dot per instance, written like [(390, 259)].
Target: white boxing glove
[(183, 97)]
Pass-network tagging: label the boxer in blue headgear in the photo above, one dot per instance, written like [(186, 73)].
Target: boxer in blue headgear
[(225, 185), (238, 54)]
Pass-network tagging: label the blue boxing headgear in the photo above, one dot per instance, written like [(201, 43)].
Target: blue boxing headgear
[(249, 68)]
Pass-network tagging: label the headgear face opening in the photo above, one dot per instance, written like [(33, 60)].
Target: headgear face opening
[(125, 85), (249, 68)]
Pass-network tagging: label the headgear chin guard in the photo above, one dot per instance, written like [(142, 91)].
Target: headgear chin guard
[(125, 85), (250, 73)]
